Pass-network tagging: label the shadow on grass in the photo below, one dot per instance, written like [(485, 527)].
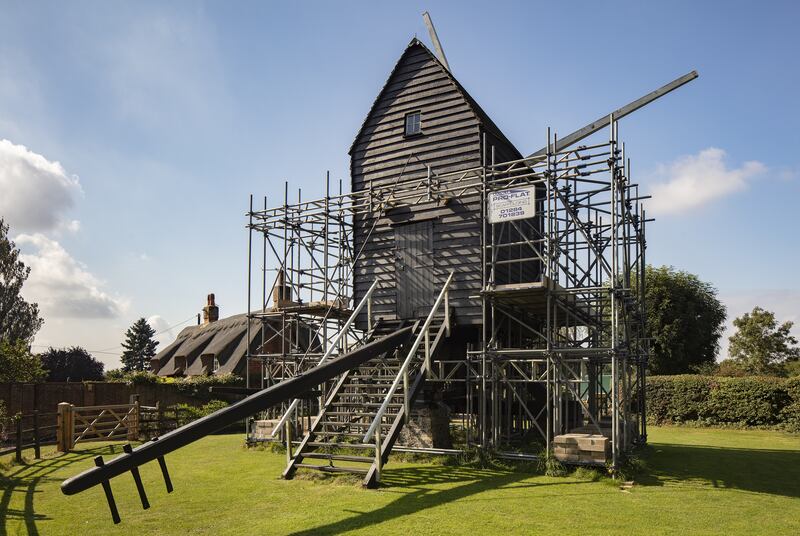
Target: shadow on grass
[(25, 478), (776, 472), (427, 487)]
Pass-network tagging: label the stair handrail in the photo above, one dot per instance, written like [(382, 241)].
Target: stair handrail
[(366, 300), (443, 296)]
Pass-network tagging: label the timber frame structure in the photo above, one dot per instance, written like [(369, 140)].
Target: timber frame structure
[(561, 351)]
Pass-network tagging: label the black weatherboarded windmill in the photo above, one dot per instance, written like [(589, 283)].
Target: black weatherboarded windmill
[(459, 285)]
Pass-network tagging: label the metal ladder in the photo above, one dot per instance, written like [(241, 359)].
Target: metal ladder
[(365, 412)]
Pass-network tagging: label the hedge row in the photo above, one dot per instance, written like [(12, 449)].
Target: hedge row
[(718, 401)]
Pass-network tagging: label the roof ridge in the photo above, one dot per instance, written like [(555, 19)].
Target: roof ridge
[(482, 117)]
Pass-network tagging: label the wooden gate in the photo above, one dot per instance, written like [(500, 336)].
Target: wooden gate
[(96, 423)]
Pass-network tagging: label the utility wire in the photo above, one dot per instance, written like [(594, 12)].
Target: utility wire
[(114, 350)]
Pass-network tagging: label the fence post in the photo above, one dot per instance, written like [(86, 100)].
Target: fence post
[(158, 419), (62, 427), (133, 419), (37, 443), (71, 427), (18, 418)]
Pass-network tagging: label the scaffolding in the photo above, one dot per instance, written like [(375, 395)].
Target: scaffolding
[(562, 344)]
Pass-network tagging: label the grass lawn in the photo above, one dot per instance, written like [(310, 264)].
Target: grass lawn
[(698, 481)]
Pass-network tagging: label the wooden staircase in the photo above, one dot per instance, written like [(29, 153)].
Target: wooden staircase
[(335, 442)]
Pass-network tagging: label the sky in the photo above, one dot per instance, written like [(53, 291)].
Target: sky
[(133, 134)]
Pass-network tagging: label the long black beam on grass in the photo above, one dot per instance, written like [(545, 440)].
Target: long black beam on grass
[(292, 388)]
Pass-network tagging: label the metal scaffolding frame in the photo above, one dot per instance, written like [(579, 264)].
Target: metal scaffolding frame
[(559, 351)]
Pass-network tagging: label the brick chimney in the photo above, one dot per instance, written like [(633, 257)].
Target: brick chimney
[(210, 311), (282, 293)]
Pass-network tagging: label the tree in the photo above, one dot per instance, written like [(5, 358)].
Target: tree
[(139, 345), (71, 364), (17, 364), (760, 345), (19, 320), (684, 321)]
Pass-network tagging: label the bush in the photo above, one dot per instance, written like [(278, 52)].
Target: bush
[(195, 386), (198, 386), (710, 400), (195, 412), (131, 378), (676, 399)]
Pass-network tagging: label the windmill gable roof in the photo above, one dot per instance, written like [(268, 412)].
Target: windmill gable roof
[(415, 46)]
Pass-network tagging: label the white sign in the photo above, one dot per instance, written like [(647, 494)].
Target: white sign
[(512, 204)]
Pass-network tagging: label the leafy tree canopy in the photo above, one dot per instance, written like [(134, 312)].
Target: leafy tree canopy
[(139, 347), (19, 320), (760, 345), (17, 364), (684, 321), (71, 364)]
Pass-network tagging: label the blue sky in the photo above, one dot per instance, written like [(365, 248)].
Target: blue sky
[(136, 131)]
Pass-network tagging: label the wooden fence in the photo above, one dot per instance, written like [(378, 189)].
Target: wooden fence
[(127, 422), (26, 431)]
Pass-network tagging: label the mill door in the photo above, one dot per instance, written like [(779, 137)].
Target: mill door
[(414, 269)]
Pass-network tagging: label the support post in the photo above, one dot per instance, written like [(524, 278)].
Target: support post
[(37, 440), (133, 419), (378, 455), (64, 428), (406, 400), (18, 450), (288, 428)]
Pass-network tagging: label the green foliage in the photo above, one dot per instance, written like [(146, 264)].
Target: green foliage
[(139, 345), (115, 375), (194, 386), (71, 364), (760, 345), (549, 465), (740, 402), (198, 386), (684, 320), (17, 364), (193, 412), (132, 377), (730, 368), (19, 320)]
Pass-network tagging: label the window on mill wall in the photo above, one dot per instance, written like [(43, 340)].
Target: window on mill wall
[(413, 123)]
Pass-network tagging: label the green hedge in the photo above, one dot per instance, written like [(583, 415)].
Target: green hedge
[(718, 401)]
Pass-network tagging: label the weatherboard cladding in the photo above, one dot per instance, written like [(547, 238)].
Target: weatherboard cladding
[(452, 128)]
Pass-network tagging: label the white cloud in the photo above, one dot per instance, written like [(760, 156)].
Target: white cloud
[(36, 192), (164, 334), (693, 181), (62, 286), (785, 303)]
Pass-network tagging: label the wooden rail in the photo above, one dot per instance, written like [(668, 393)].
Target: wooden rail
[(35, 436), (80, 424)]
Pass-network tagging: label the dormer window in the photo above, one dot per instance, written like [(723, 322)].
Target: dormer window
[(413, 123)]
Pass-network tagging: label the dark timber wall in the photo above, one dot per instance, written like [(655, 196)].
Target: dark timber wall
[(452, 129)]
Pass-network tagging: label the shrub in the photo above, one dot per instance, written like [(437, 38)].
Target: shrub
[(198, 386), (749, 401), (719, 401), (189, 413), (676, 399), (131, 378), (790, 414)]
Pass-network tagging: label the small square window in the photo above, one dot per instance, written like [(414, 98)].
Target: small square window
[(413, 123)]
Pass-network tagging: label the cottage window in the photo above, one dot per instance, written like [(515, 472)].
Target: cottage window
[(413, 123)]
